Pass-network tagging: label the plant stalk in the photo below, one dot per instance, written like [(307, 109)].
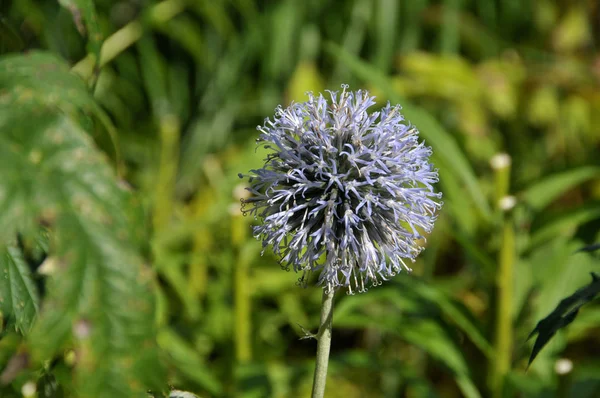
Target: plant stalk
[(323, 344), (504, 320), (243, 303), (503, 345)]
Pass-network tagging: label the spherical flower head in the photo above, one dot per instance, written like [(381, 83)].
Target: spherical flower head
[(343, 192)]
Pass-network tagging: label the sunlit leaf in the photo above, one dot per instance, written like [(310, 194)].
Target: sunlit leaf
[(41, 79)]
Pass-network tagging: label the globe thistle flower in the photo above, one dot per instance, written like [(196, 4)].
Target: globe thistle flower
[(343, 192)]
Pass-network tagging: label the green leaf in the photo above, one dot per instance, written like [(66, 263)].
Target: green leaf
[(451, 310), (18, 295), (430, 336), (544, 192), (98, 300), (387, 30), (186, 359), (100, 304), (408, 318), (153, 70), (86, 21), (564, 313), (564, 222), (42, 79)]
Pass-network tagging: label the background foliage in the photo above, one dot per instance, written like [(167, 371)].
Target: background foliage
[(127, 267)]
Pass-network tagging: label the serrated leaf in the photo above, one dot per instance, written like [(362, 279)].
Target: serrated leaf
[(564, 313), (40, 79), (44, 79), (99, 302), (19, 299), (98, 299), (86, 22)]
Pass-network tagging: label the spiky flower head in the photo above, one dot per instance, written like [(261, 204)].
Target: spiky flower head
[(342, 191)]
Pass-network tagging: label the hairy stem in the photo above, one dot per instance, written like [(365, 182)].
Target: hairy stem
[(323, 344)]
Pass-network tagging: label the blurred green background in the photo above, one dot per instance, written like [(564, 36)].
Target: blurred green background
[(185, 83)]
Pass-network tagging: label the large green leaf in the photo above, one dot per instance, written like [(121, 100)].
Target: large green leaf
[(100, 304), (18, 294), (98, 300), (41, 79)]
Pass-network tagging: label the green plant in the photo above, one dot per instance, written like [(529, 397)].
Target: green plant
[(164, 110)]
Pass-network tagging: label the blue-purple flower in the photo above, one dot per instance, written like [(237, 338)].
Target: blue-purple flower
[(342, 191)]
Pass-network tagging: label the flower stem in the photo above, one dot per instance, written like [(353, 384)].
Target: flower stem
[(323, 344)]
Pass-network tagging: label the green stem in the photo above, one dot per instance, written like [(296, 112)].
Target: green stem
[(243, 303), (504, 320), (503, 345), (564, 380), (323, 345)]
